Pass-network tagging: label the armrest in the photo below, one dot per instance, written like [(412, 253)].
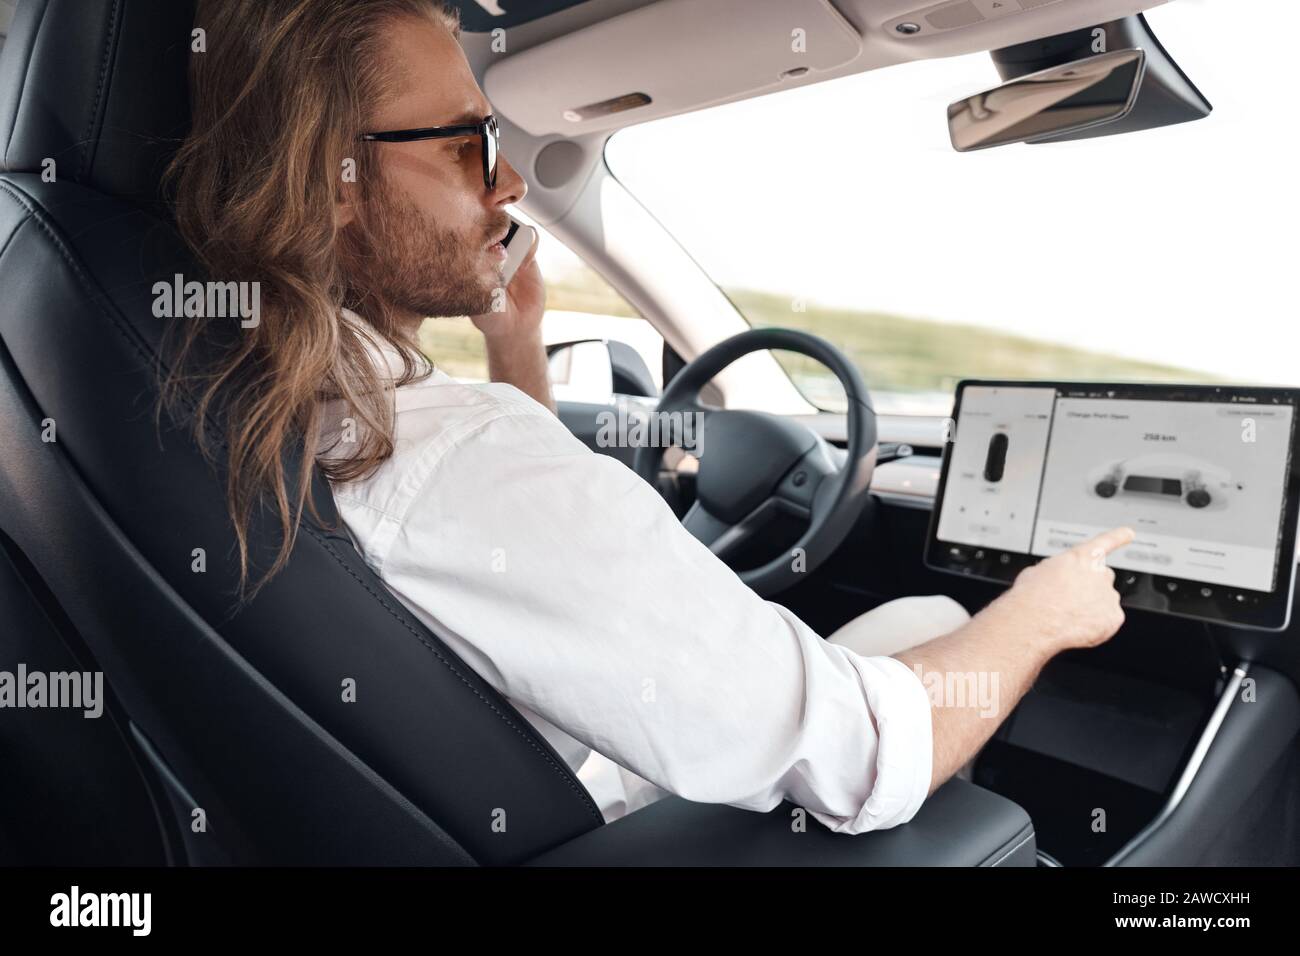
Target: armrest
[(959, 825)]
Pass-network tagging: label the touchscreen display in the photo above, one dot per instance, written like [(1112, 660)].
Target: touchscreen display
[(1036, 470)]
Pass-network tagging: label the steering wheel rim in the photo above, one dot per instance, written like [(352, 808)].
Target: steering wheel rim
[(807, 476)]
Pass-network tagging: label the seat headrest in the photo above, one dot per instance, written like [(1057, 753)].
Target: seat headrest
[(99, 87)]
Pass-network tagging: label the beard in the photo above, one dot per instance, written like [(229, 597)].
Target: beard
[(401, 256)]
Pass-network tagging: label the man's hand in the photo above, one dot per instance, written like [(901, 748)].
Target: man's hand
[(514, 335), (1070, 597), (1066, 601)]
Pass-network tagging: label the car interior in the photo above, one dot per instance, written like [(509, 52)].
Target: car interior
[(1185, 730)]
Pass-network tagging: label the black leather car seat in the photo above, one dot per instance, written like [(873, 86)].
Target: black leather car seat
[(242, 715), (78, 791)]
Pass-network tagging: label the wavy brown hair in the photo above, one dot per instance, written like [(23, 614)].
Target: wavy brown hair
[(278, 101)]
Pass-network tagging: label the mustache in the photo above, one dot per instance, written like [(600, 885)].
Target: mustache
[(498, 228)]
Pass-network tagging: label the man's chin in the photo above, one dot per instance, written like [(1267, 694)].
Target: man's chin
[(479, 292), (472, 297)]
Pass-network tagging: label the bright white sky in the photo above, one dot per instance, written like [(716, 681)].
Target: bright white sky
[(1177, 245)]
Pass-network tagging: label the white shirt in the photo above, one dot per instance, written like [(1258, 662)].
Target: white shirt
[(568, 584)]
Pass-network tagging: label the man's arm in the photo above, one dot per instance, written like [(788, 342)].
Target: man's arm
[(1066, 601), (515, 352)]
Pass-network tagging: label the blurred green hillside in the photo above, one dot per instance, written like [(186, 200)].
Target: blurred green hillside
[(896, 354)]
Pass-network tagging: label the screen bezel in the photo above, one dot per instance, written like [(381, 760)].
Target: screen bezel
[(1145, 590)]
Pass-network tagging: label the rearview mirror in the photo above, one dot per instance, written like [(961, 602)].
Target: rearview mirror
[(1063, 99)]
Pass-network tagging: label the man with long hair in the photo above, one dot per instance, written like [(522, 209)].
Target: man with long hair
[(343, 156)]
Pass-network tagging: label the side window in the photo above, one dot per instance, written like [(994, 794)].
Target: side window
[(579, 305)]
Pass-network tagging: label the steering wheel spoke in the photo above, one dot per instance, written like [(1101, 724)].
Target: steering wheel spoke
[(725, 539), (802, 485)]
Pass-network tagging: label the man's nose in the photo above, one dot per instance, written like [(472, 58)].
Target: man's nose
[(510, 187)]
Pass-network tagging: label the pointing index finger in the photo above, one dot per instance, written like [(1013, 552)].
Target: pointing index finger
[(1109, 541)]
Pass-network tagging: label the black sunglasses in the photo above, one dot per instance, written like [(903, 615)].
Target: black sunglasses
[(486, 129)]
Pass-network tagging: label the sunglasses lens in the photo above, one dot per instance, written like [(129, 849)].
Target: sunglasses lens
[(491, 147)]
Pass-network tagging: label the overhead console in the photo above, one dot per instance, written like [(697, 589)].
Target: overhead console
[(950, 26), (955, 14)]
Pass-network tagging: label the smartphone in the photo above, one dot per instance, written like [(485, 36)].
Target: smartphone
[(518, 241)]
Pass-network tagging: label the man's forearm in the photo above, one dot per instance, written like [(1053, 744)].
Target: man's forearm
[(998, 650), (520, 360)]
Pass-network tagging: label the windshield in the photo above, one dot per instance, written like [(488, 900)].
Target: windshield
[(841, 208)]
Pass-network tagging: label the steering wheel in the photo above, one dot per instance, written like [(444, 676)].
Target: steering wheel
[(755, 466)]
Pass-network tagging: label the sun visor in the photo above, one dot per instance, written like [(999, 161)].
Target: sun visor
[(666, 58)]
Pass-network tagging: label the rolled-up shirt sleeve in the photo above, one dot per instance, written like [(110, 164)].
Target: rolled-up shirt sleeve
[(568, 583)]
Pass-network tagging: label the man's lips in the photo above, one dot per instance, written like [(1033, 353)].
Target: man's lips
[(496, 248)]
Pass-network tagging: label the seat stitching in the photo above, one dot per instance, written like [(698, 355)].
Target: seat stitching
[(144, 352), (22, 92), (89, 142)]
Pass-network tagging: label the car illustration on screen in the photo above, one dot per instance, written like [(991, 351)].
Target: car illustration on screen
[(1196, 482)]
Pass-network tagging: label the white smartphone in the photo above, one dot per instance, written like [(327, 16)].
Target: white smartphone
[(518, 241)]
